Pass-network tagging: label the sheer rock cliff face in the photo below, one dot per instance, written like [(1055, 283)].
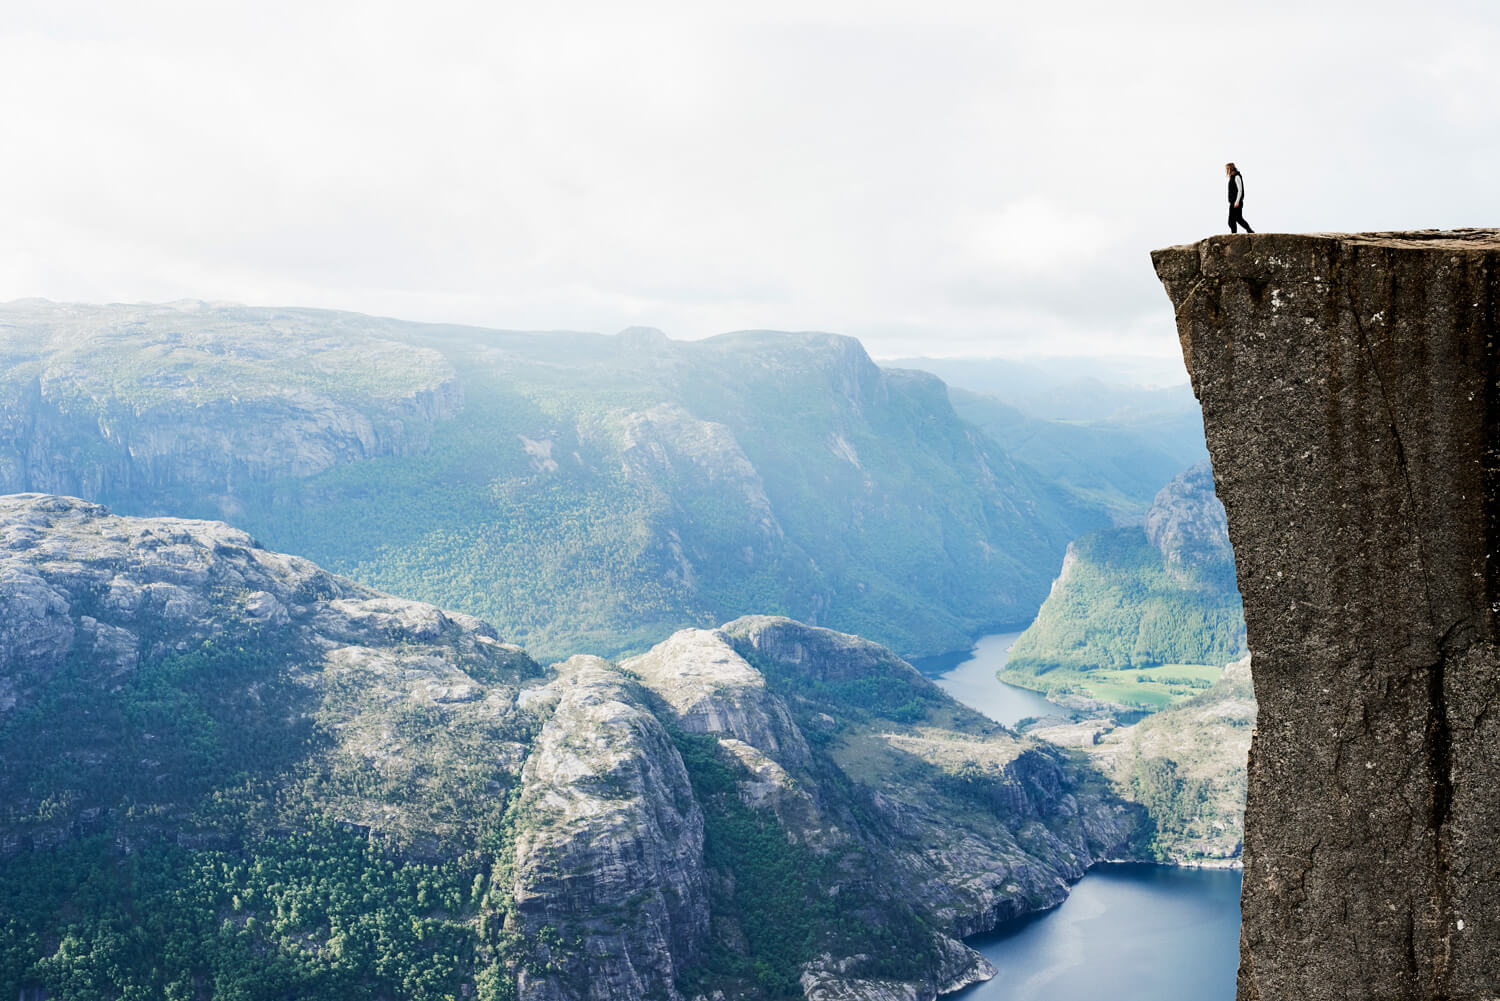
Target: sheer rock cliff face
[(152, 403), (1349, 391), (620, 855)]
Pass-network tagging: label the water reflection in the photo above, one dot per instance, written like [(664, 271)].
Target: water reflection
[(1127, 932)]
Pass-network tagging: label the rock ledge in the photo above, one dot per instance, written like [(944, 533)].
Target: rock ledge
[(1351, 396)]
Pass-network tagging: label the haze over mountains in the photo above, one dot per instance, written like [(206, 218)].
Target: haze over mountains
[(1140, 596), (1084, 423), (585, 493), (392, 800)]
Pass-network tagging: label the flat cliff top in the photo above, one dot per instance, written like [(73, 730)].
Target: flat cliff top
[(1351, 399), (1229, 255)]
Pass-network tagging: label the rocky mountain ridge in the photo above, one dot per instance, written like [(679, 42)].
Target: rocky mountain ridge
[(116, 401), (752, 472), (1186, 522), (766, 809)]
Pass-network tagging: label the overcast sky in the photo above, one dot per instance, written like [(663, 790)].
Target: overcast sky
[(933, 177)]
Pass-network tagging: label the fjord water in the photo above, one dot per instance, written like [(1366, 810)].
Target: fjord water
[(970, 678), (1128, 932)]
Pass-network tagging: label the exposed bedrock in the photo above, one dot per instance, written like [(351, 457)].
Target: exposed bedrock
[(1349, 392)]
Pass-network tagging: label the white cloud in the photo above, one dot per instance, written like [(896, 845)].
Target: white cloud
[(1036, 236), (968, 176)]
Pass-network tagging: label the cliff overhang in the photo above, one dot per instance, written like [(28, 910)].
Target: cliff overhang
[(1351, 400)]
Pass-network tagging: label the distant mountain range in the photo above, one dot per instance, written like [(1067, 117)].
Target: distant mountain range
[(584, 492), (1084, 389), (1106, 440), (229, 771)]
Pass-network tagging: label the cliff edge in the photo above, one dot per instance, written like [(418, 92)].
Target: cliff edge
[(1350, 397)]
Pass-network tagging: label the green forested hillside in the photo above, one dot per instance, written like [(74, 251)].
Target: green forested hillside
[(1186, 767), (1136, 598), (317, 914), (583, 492), (1088, 424)]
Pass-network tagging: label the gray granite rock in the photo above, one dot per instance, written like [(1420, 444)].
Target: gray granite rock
[(418, 726), (1351, 393), (95, 596), (956, 816), (712, 689), (1186, 520), (612, 852)]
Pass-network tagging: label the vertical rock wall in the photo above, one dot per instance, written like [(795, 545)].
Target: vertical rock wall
[(1349, 391)]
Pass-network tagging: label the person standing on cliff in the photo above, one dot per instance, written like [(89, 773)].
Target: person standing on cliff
[(1236, 199)]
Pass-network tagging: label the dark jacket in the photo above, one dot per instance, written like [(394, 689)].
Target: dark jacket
[(1236, 188)]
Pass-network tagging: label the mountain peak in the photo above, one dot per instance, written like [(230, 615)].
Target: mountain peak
[(642, 337), (1186, 521)]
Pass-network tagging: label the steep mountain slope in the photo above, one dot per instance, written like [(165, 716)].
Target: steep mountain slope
[(227, 772), (1079, 389), (1145, 617), (585, 493), (157, 402), (1134, 610), (147, 663), (1079, 422)]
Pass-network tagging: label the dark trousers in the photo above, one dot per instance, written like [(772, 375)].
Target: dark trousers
[(1237, 215)]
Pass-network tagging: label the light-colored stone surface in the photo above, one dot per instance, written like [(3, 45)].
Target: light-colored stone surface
[(419, 725), (86, 591), (712, 689), (613, 845)]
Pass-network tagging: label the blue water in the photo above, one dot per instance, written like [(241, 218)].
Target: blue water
[(970, 678), (1127, 932)]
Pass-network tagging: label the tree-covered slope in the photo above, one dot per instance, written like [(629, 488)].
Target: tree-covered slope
[(583, 492), (1149, 618), (1136, 598), (1186, 766), (1081, 422), (229, 773)]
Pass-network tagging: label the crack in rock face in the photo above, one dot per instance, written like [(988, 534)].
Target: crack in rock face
[(1351, 399)]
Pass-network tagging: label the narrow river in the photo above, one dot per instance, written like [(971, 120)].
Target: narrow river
[(970, 678), (1127, 932)]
